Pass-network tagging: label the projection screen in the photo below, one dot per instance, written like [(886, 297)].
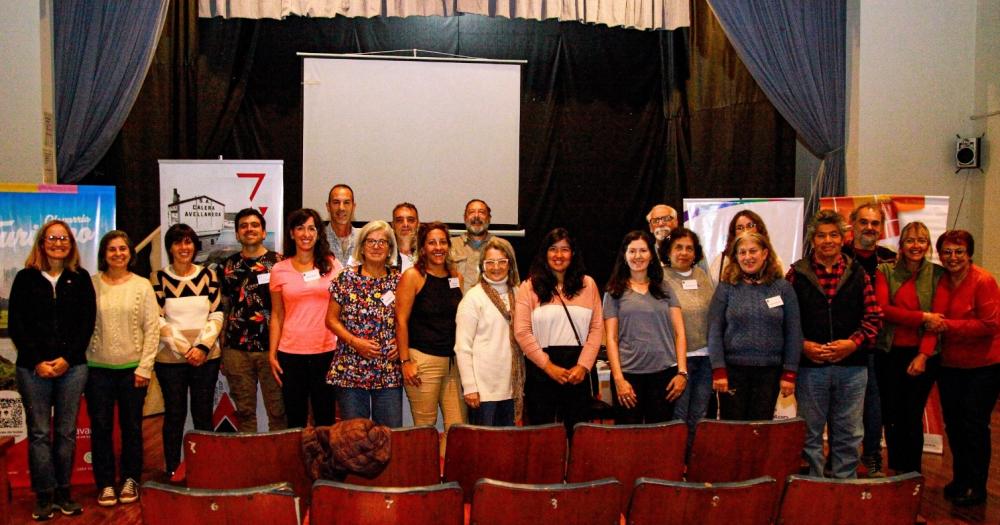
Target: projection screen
[(433, 132)]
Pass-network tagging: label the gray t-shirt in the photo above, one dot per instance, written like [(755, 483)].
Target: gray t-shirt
[(645, 331)]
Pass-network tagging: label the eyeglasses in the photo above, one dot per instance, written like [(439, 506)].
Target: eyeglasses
[(376, 243), (662, 220), (57, 238), (746, 227), (957, 252), (496, 262)]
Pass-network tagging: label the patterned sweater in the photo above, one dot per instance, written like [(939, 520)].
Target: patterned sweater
[(127, 331), (189, 312)]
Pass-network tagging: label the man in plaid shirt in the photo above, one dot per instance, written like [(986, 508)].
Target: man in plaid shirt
[(840, 322)]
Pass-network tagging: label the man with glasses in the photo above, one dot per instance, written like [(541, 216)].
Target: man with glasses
[(467, 249), (867, 225), (662, 220)]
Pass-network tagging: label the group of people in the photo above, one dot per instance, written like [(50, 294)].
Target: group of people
[(352, 318)]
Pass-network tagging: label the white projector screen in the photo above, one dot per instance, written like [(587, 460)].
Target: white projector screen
[(432, 132)]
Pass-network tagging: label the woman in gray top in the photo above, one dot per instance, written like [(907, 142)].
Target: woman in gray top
[(693, 288), (645, 335)]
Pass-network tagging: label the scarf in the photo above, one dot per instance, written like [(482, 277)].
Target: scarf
[(517, 358)]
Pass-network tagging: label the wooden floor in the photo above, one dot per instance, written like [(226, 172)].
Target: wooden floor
[(937, 470)]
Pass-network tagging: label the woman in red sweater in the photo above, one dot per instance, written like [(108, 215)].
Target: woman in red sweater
[(969, 299), (907, 364)]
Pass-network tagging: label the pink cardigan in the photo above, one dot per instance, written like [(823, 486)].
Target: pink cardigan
[(538, 325)]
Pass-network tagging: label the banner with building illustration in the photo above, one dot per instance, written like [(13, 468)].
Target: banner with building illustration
[(207, 194), (24, 208)]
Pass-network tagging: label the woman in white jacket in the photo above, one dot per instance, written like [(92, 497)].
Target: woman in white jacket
[(489, 361)]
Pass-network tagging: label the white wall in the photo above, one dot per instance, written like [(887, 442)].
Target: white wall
[(22, 24), (987, 100), (914, 81)]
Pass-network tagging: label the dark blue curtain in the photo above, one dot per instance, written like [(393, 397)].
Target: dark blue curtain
[(795, 51), (102, 49)]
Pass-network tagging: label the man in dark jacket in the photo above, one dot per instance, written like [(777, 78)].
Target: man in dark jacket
[(840, 321)]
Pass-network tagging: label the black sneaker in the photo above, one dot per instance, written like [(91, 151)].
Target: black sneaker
[(65, 504), (43, 508)]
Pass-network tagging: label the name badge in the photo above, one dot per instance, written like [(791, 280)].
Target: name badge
[(311, 275), (388, 298), (689, 284), (453, 282), (263, 278), (774, 302)]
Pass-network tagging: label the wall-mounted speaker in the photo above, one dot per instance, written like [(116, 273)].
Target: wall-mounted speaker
[(967, 152)]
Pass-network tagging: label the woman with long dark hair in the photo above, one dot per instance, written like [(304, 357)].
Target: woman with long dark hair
[(558, 324), (120, 361), (745, 221), (301, 346), (51, 318), (647, 349)]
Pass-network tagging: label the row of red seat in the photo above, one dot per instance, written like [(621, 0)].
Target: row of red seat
[(723, 451), (806, 500)]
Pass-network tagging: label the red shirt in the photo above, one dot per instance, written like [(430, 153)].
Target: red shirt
[(903, 311), (972, 318)]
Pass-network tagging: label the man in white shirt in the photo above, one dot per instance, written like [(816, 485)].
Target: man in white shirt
[(342, 236)]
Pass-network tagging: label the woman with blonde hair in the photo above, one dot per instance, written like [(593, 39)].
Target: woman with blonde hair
[(754, 334), (489, 361), (51, 319)]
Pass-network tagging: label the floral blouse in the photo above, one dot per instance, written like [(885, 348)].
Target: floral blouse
[(367, 310)]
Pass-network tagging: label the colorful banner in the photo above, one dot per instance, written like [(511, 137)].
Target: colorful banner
[(709, 218), (207, 194), (90, 213), (899, 210)]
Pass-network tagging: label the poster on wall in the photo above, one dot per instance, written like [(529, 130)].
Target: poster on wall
[(207, 194), (24, 208), (709, 218), (899, 210)]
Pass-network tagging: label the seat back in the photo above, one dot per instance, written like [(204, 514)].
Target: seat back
[(230, 461), (499, 502), (664, 502), (415, 461), (742, 450), (626, 453), (532, 454), (343, 503), (265, 505), (818, 501)]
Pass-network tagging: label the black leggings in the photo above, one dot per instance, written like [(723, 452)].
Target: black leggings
[(650, 396), (303, 384)]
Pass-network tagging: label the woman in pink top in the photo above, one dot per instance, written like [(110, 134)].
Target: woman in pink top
[(561, 352), (301, 345), (969, 299)]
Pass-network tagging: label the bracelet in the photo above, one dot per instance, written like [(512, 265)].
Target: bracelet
[(404, 361), (683, 373)]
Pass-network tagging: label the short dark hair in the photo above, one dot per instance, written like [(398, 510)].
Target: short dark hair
[(488, 210), (675, 235), (335, 186), (102, 260), (178, 233), (824, 217), (957, 237), (403, 205), (247, 212)]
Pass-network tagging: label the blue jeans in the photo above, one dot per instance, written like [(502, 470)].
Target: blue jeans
[(872, 444), (175, 382), (493, 414), (50, 457), (106, 388), (693, 403), (384, 406), (835, 396)]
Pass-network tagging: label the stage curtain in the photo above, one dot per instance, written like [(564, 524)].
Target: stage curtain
[(638, 14), (101, 52), (613, 121), (795, 51)]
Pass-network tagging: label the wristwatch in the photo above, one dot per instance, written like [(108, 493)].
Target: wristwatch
[(683, 373)]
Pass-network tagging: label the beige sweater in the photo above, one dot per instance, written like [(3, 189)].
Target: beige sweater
[(126, 334)]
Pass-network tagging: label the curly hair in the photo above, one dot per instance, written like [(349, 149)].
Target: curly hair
[(769, 273), (676, 235), (422, 232)]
